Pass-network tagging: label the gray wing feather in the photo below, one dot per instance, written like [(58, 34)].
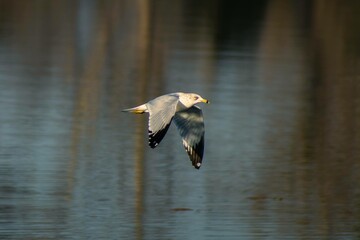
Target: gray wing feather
[(161, 111), (190, 124)]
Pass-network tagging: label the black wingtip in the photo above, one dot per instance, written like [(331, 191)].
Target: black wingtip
[(153, 141), (195, 153), (155, 138), (196, 161), (197, 166)]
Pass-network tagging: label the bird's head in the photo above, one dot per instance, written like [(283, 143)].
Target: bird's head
[(190, 99)]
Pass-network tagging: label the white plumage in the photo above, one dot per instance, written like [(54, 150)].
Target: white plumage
[(187, 116)]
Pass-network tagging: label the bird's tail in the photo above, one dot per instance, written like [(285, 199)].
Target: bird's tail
[(138, 110)]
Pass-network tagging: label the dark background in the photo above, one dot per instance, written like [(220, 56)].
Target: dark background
[(282, 130)]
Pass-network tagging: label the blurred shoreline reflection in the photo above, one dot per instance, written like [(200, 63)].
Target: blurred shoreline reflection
[(282, 141)]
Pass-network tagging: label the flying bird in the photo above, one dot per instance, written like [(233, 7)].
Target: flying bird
[(187, 117)]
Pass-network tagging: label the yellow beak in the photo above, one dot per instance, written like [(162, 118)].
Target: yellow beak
[(205, 100)]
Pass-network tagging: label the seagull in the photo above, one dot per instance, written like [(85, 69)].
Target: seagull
[(188, 119)]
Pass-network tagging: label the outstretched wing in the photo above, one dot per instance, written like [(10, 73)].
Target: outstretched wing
[(190, 124), (161, 111)]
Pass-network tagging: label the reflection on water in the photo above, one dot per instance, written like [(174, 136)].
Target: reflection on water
[(282, 132)]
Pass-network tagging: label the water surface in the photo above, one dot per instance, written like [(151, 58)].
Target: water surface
[(282, 130)]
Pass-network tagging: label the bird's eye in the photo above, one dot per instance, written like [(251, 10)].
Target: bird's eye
[(196, 98)]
